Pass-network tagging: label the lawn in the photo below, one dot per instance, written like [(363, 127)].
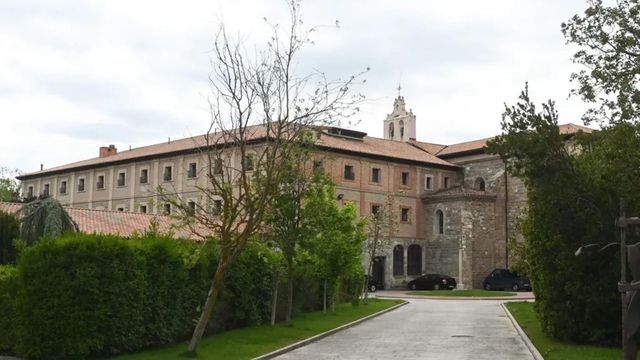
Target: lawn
[(552, 349), (254, 341), (462, 293)]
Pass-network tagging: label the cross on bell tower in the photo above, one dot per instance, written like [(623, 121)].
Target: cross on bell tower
[(400, 125)]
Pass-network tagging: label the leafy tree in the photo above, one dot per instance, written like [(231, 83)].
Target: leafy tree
[(9, 186), (333, 236), (380, 228), (44, 217), (260, 111), (9, 231), (609, 41)]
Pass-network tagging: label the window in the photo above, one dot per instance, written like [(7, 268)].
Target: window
[(247, 163), (99, 184), (121, 178), (414, 260), (81, 184), (446, 182), (30, 192), (317, 165), (144, 176), (121, 209), (349, 174), (375, 175), (375, 208), (405, 178), (401, 123), (63, 187), (480, 184), (45, 191), (391, 131), (193, 170), (191, 207), (217, 206), (167, 209), (217, 166), (405, 214), (439, 223), (143, 209), (168, 173), (428, 184), (398, 260)]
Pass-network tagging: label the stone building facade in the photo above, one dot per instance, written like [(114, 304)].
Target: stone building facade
[(456, 206)]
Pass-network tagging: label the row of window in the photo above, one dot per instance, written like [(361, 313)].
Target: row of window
[(167, 208), (376, 177), (414, 260)]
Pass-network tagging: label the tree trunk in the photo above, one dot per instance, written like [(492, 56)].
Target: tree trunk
[(212, 296), (289, 292), (274, 301), (324, 297)]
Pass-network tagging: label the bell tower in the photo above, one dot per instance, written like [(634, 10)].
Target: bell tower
[(400, 125)]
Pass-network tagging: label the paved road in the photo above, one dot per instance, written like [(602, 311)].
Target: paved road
[(426, 329)]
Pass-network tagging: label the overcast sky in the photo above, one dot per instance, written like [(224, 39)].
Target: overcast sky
[(75, 75)]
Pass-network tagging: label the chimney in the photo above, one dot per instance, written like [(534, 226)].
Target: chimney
[(108, 151)]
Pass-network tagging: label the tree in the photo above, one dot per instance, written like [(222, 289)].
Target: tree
[(609, 37), (260, 111), (9, 231), (9, 186), (333, 236), (44, 217), (381, 226)]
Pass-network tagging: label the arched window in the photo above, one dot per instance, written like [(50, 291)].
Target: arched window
[(414, 260), (439, 222), (480, 184), (401, 123), (391, 130), (398, 260)]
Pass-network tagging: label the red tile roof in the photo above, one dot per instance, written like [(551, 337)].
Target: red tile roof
[(120, 223)]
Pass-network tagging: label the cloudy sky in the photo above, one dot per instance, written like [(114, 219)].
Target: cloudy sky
[(75, 75)]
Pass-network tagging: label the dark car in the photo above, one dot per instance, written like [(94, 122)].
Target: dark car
[(373, 284), (503, 279), (432, 282)]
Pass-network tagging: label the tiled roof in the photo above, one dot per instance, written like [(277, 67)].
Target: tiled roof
[(565, 129), (457, 192), (120, 223), (380, 147), (428, 147)]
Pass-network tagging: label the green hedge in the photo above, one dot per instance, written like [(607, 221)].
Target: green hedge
[(91, 295), (8, 316)]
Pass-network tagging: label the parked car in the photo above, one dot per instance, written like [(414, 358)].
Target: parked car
[(432, 282), (503, 279), (374, 284)]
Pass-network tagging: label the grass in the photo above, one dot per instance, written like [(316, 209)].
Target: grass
[(552, 349), (462, 293), (254, 341)]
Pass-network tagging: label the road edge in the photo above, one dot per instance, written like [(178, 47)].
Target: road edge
[(314, 338), (532, 348)]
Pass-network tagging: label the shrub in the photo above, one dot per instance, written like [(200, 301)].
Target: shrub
[(8, 316), (9, 230)]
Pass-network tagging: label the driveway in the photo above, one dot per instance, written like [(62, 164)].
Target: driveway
[(426, 329)]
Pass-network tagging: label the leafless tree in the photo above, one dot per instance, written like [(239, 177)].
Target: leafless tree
[(381, 227), (261, 112)]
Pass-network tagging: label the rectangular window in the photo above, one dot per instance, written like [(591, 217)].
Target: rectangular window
[(63, 187), (121, 179), (45, 191), (375, 175), (30, 192), (405, 178), (317, 165), (167, 209), (144, 176), (217, 166), (247, 163), (375, 209), (405, 215), (143, 209), (217, 206), (446, 182), (193, 169), (349, 174), (99, 184), (168, 173), (121, 209), (428, 183), (81, 184), (191, 207)]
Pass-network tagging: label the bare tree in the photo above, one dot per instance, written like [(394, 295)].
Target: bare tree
[(261, 112), (381, 227)]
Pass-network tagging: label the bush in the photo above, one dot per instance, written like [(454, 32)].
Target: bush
[(9, 230), (8, 315)]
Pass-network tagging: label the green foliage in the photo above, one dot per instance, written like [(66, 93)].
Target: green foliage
[(93, 295), (9, 186), (574, 187), (609, 41), (45, 217), (8, 313), (9, 231)]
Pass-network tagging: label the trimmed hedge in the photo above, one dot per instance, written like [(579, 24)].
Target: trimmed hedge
[(8, 316), (93, 295)]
